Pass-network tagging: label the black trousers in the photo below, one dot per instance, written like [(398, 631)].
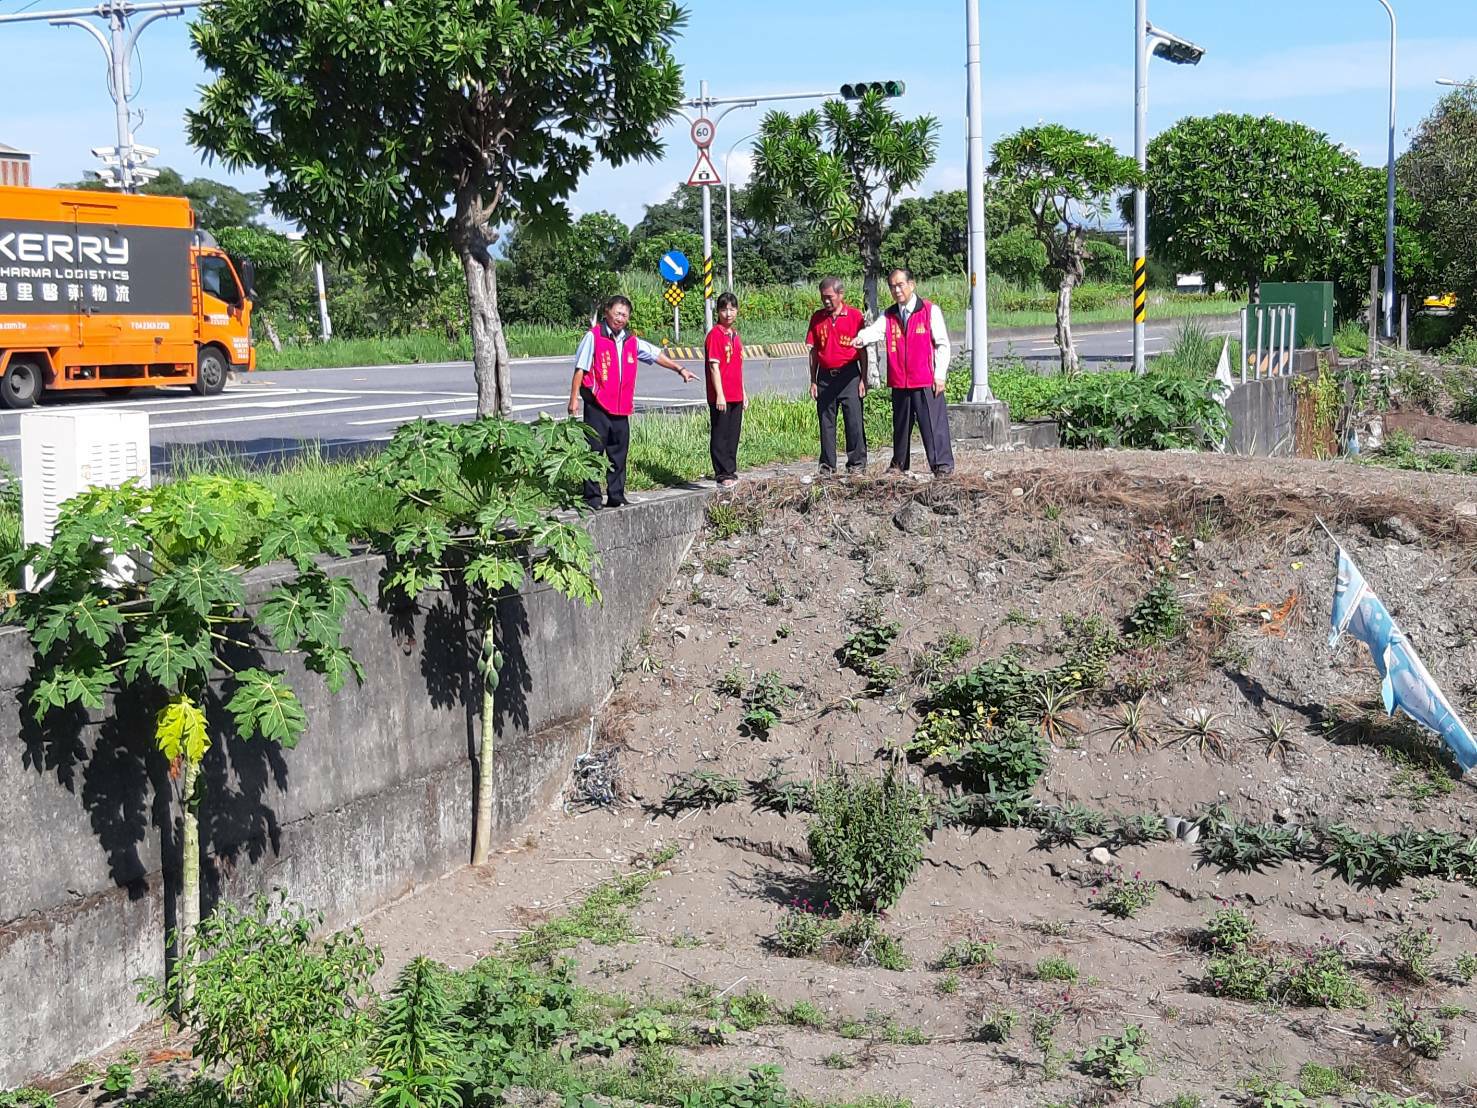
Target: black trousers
[(841, 389), (723, 438), (612, 438), (931, 414)]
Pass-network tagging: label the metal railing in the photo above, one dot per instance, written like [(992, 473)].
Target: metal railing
[(1269, 339)]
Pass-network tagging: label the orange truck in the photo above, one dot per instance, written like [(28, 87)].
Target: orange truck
[(109, 291)]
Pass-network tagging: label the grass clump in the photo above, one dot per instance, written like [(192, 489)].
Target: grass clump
[(1243, 976), (1411, 1030), (867, 944), (603, 917), (966, 954), (1411, 953), (996, 1027), (1465, 967), (863, 650), (1324, 979), (1056, 968), (1123, 897), (805, 1014), (1229, 929), (702, 789), (1319, 1080), (766, 699), (866, 837)]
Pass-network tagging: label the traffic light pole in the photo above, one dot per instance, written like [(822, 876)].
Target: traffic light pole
[(118, 46), (979, 321), (703, 104)]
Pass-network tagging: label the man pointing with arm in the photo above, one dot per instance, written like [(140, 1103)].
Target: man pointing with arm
[(917, 344), (605, 380)]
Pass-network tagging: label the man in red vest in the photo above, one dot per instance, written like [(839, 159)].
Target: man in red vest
[(917, 370), (838, 375), (605, 379)]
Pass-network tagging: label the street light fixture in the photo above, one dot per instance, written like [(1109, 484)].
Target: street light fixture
[(728, 201), (1447, 81), (1147, 39)]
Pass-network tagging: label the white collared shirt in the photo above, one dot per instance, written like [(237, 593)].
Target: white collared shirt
[(876, 331), (645, 351)]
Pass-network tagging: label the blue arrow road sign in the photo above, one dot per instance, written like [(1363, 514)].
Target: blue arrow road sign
[(674, 265)]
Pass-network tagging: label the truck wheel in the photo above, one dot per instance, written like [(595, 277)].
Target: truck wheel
[(21, 386), (211, 377)]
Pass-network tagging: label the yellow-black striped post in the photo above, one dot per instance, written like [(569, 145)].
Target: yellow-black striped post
[(1140, 291), (708, 277)]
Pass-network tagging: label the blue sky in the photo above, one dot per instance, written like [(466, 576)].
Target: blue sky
[(1322, 62)]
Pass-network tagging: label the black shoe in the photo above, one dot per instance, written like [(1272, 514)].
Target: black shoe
[(943, 471), (616, 503), (594, 505)]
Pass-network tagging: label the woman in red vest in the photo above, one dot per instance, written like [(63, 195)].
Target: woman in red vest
[(917, 370), (605, 379), (725, 357)]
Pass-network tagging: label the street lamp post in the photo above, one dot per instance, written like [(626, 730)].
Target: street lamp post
[(1449, 83), (1147, 39), (1390, 192), (979, 320), (728, 203)]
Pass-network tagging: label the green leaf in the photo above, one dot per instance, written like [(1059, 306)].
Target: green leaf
[(169, 654), (180, 731), (199, 583), (264, 704)]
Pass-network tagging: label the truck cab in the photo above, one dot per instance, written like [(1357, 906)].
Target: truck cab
[(115, 292)]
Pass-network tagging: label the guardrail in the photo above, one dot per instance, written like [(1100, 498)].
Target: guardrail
[(1269, 339)]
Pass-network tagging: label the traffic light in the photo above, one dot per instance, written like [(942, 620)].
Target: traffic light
[(885, 88)]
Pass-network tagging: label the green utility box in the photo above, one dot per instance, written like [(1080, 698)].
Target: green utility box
[(1314, 301)]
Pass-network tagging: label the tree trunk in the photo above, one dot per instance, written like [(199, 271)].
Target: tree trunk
[(1073, 267), (871, 243), (271, 334), (491, 366), (189, 903), (488, 665)]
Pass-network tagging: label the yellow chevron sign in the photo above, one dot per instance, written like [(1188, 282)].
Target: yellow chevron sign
[(1140, 290)]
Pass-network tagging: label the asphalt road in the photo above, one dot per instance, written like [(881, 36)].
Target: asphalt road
[(269, 414)]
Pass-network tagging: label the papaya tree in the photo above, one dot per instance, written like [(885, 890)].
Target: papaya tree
[(482, 502), (142, 588), (1063, 179)]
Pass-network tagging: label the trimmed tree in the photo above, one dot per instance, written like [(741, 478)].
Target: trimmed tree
[(845, 167), (390, 130), (1063, 179), (483, 501), (179, 633), (1245, 199)]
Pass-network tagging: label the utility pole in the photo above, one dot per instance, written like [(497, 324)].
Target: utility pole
[(979, 323), (1147, 39), (1390, 194), (123, 165)]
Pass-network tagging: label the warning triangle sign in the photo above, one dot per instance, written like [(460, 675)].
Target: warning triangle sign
[(704, 173)]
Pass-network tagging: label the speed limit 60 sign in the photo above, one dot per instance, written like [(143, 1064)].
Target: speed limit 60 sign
[(703, 131)]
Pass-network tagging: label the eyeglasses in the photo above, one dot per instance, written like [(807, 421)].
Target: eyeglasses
[(897, 284)]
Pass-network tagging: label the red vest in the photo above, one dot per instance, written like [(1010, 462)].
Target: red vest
[(910, 356), (612, 373)]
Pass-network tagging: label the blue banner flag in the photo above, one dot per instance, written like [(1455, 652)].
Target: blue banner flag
[(1407, 685)]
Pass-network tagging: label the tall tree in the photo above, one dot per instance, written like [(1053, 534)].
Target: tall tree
[(1440, 172), (1065, 179), (1244, 199), (930, 235), (558, 276), (845, 166), (389, 130)]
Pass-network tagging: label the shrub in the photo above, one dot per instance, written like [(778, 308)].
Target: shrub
[(1067, 825), (242, 971), (868, 945), (1124, 897), (1158, 617), (1009, 760), (767, 697), (1417, 1034), (863, 649), (1139, 829), (1465, 966), (1117, 1060), (416, 1048), (802, 930), (805, 1014), (1316, 1080), (1242, 976), (702, 789), (1229, 929), (1324, 980), (1247, 847), (866, 837), (997, 1026), (1161, 410), (1411, 951)]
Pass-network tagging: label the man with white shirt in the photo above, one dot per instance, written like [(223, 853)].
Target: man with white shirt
[(917, 369), (605, 380)]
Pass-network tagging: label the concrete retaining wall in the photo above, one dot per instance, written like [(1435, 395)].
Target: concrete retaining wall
[(376, 800)]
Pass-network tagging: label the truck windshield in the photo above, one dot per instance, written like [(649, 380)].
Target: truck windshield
[(217, 279)]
